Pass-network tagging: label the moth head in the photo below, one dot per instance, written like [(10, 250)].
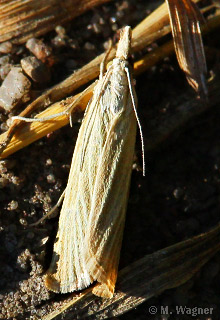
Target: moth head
[(124, 43)]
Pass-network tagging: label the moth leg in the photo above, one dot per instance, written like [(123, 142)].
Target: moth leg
[(67, 112), (51, 211)]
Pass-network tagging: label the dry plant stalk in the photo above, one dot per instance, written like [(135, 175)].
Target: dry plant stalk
[(21, 20), (165, 269), (89, 72)]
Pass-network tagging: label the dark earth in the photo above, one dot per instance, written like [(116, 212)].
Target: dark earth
[(178, 198)]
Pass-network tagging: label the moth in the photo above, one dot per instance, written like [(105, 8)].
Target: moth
[(91, 223)]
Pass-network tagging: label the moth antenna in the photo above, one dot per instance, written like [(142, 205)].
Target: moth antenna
[(137, 118)]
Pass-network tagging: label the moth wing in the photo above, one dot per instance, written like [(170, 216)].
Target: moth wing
[(106, 220), (67, 271)]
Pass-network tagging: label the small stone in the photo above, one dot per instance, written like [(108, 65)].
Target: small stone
[(4, 60), (4, 71), (51, 178), (114, 27), (3, 165), (23, 222), (13, 205), (59, 41), (178, 193), (43, 241), (106, 45), (35, 69), (49, 162), (14, 89), (6, 47), (89, 46), (60, 30), (39, 49), (113, 19)]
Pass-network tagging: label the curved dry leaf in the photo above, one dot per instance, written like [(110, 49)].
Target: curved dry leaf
[(184, 20), (147, 277)]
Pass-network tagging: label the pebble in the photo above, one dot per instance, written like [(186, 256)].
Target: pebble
[(4, 71), (59, 41), (4, 60), (39, 49), (3, 166), (178, 193), (6, 47), (49, 162), (43, 241), (35, 69), (89, 46), (23, 222), (14, 89), (61, 38), (60, 30), (13, 205), (51, 178)]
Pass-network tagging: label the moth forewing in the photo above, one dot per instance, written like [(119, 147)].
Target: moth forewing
[(92, 217), (106, 222)]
